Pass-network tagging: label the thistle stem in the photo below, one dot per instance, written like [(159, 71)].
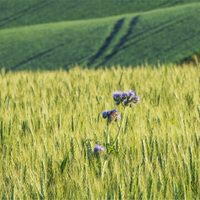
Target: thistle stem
[(107, 137), (119, 127)]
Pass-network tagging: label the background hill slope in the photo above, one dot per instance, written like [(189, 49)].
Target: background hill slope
[(167, 34), (27, 12)]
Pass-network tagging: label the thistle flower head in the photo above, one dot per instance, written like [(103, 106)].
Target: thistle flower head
[(131, 94), (128, 98), (104, 114), (117, 97), (112, 115), (135, 99), (126, 103), (98, 148), (132, 99), (125, 95)]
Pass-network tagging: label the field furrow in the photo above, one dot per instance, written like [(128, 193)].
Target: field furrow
[(107, 41)]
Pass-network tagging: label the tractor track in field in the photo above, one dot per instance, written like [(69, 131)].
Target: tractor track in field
[(123, 39), (154, 32), (20, 14), (120, 46), (141, 36), (107, 41)]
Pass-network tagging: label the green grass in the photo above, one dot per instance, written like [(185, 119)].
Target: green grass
[(165, 35), (22, 13), (46, 118)]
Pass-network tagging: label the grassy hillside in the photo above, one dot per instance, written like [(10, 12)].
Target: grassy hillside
[(46, 117), (26, 12), (169, 35)]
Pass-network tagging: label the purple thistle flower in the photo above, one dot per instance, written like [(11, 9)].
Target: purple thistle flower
[(125, 95), (105, 114), (131, 94), (126, 103), (112, 115), (98, 148), (135, 99), (128, 98), (117, 97)]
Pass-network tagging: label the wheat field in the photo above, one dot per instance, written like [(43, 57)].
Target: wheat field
[(46, 119)]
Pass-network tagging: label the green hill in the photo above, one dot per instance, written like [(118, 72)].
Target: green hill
[(15, 13), (167, 34)]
